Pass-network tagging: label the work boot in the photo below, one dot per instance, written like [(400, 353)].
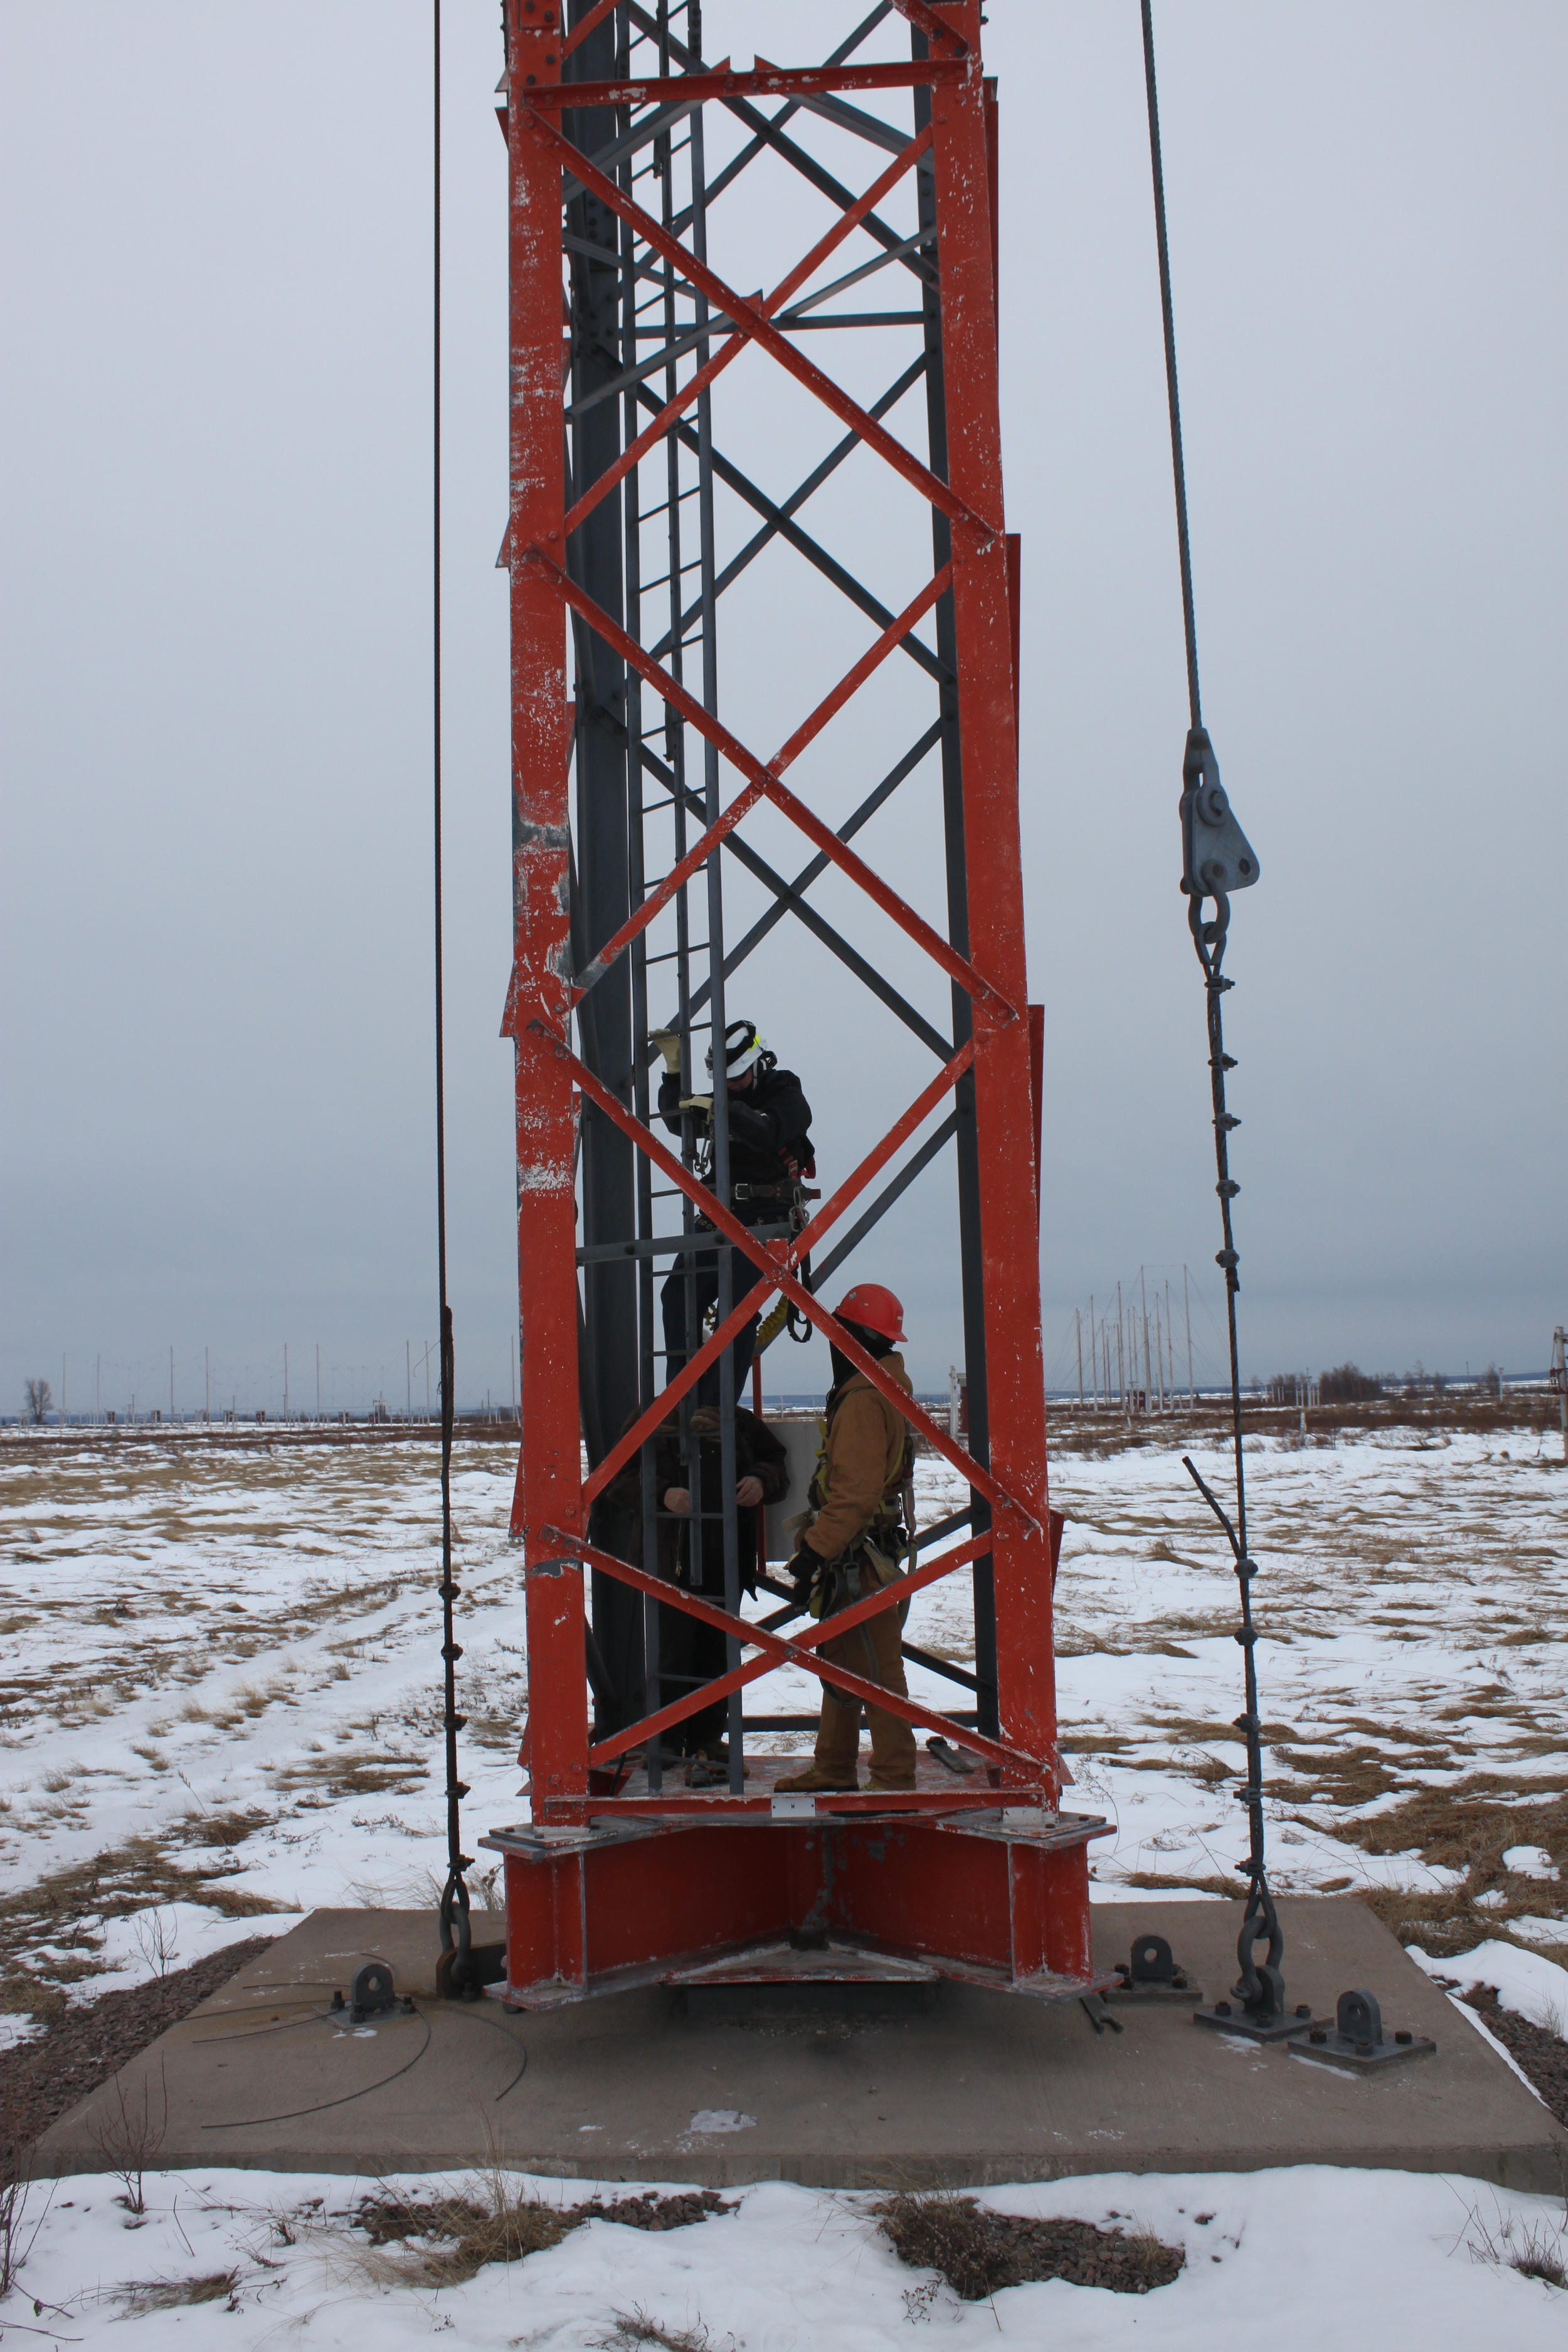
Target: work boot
[(813, 1781), (877, 1787)]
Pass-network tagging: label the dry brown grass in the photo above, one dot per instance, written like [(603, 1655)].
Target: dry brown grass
[(55, 1908), (1429, 1420), (1350, 1775), (1153, 1881), (1461, 1827), (1091, 1646), (199, 1827), (356, 1774), (129, 2136), (443, 2240), (139, 2297), (635, 2330), (977, 2252), (1196, 1730)]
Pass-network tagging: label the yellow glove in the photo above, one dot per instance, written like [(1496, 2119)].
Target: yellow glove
[(669, 1043), (704, 1103)]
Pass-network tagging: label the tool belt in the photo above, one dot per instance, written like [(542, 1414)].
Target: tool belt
[(864, 1567)]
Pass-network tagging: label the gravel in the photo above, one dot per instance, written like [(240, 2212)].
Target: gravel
[(82, 2048), (1536, 2051)]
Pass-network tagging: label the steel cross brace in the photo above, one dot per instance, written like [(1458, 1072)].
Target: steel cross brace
[(778, 1262), (973, 527), (778, 1651), (780, 523), (916, 1165), (789, 899), (770, 1255), (584, 26), (763, 784), (768, 131), (817, 867), (749, 308)]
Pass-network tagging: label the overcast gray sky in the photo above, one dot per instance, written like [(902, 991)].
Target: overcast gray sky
[(217, 1032)]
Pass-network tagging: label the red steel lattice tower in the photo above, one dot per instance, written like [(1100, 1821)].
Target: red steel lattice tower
[(622, 337)]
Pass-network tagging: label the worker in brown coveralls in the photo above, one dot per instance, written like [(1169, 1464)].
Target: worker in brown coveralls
[(691, 1652), (862, 1494)]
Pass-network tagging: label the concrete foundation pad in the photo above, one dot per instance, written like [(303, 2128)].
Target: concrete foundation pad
[(977, 2087)]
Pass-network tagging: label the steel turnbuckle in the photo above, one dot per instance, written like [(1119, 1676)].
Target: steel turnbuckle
[(1256, 2009)]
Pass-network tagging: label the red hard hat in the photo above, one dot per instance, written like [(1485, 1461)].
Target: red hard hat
[(877, 1309)]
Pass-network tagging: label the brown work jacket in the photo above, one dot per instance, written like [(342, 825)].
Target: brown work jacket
[(861, 1471), (758, 1455)]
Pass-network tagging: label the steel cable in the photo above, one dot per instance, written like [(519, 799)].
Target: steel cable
[(455, 1906), (1261, 1989)]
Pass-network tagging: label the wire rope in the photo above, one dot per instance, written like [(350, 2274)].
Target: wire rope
[(1261, 1987), (455, 1905)]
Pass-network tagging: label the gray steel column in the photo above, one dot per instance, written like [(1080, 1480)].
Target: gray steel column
[(607, 1332), (708, 568), (637, 959)]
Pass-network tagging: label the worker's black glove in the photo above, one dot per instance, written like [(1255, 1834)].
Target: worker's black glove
[(801, 1574)]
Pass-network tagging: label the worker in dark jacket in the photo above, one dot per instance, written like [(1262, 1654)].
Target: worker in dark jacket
[(863, 1513), (770, 1157), (689, 1650)]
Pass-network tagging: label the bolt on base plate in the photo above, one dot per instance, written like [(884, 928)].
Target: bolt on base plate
[(1230, 2017), (371, 1994), (1356, 2043), (1152, 1974)]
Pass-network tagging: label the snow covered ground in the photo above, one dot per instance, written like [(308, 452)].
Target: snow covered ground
[(1295, 2258), (219, 1708), (220, 1696)]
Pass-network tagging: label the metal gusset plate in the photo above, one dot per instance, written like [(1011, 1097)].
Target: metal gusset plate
[(1356, 2042), (1152, 1974)]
